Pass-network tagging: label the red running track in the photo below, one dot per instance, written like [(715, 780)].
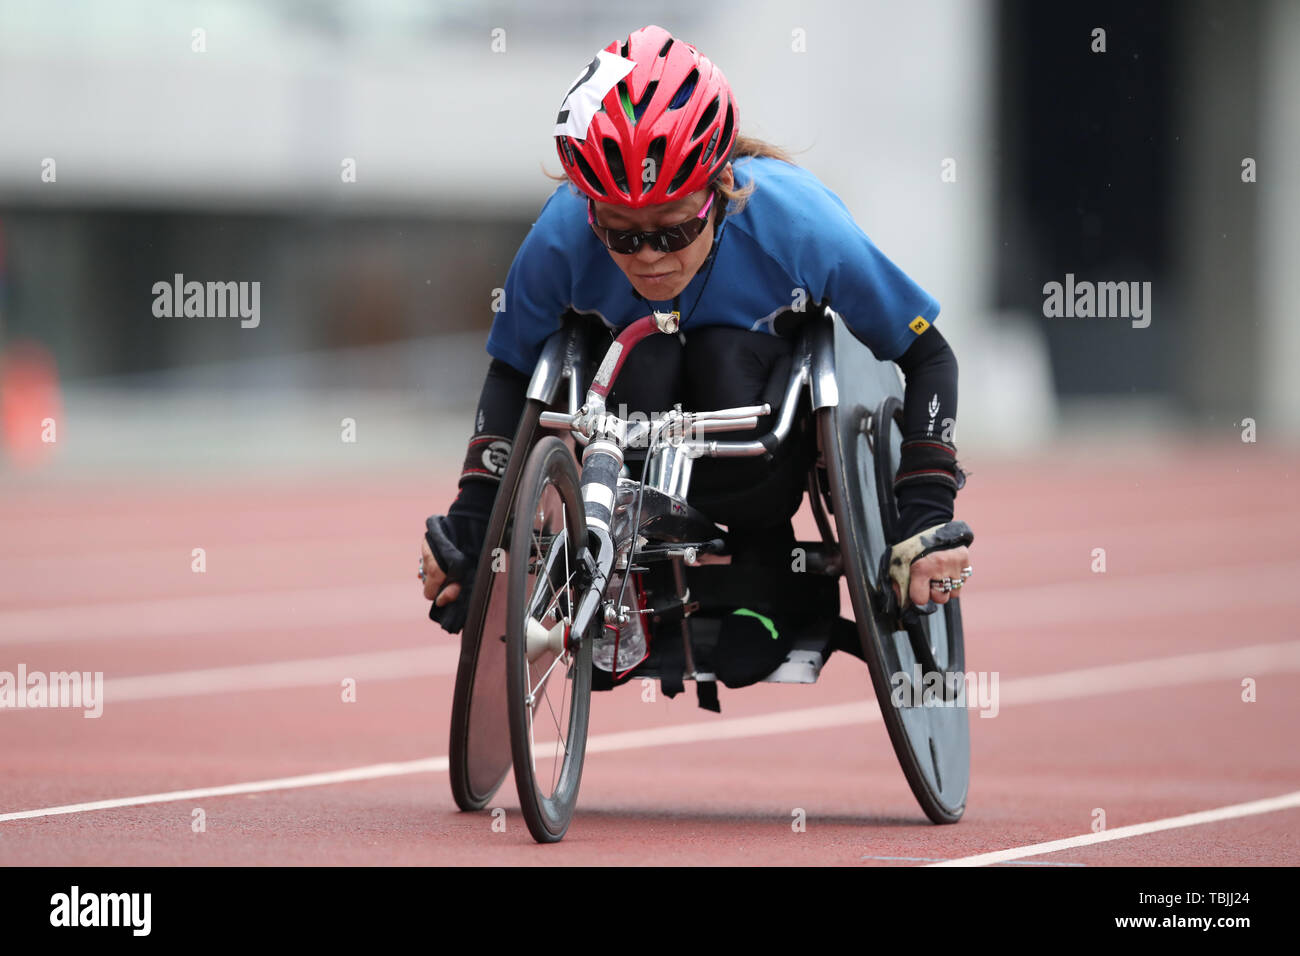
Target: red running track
[(1121, 692)]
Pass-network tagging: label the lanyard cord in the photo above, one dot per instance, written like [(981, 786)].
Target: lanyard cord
[(712, 261), (645, 466)]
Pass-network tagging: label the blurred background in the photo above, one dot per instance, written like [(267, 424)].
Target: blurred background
[(374, 166), (222, 519)]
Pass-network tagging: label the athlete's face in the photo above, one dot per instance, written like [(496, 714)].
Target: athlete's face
[(661, 275)]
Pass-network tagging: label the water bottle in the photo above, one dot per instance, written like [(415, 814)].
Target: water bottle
[(621, 648)]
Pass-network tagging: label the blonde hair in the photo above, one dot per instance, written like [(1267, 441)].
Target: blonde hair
[(748, 146), (734, 197)]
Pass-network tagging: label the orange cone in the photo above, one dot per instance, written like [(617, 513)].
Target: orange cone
[(31, 405)]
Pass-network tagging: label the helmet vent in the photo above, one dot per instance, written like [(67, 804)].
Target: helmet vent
[(706, 119), (663, 50), (684, 171), (708, 150), (655, 153), (645, 99), (614, 158), (588, 173), (684, 91), (726, 127)]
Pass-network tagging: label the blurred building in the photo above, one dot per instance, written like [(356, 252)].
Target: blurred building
[(374, 165)]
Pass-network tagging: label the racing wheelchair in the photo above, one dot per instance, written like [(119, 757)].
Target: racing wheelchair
[(584, 558)]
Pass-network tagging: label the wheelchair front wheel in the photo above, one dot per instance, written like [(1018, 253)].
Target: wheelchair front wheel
[(548, 683)]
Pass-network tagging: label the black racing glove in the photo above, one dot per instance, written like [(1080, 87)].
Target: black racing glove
[(456, 541), (897, 564)]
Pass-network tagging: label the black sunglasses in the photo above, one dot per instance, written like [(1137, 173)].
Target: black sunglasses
[(669, 239)]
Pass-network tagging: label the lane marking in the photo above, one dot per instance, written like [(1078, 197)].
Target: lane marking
[(941, 859), (1286, 801), (1109, 597), (372, 772), (45, 580), (319, 671), (401, 664), (1100, 597), (1231, 664), (236, 550), (216, 614), (1191, 668), (441, 660), (23, 527)]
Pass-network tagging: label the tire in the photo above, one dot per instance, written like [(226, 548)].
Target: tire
[(547, 747), (479, 751), (932, 743)]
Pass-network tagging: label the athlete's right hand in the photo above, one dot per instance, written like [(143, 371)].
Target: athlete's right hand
[(434, 579), (448, 559)]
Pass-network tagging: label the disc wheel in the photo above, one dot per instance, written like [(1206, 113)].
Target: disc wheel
[(932, 740), (480, 737), (861, 440), (548, 682)]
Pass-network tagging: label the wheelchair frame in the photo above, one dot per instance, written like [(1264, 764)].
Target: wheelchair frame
[(856, 401)]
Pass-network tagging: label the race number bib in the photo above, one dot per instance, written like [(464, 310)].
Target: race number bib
[(582, 102)]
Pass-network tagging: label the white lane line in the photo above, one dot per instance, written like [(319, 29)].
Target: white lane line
[(1286, 801), (941, 859), (439, 660), (318, 671), (275, 675), (1102, 597), (234, 550), (1132, 597), (735, 728), (22, 528), (1232, 664), (216, 614), (1191, 668), (372, 772)]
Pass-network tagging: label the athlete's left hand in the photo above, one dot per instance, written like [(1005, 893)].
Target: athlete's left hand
[(936, 566), (933, 565)]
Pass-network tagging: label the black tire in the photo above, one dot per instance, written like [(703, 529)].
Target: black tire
[(479, 752), (543, 588), (932, 743)]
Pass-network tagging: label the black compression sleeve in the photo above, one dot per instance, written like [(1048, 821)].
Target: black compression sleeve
[(500, 406), (928, 475)]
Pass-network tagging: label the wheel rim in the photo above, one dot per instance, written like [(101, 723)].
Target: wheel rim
[(479, 751), (931, 742), (549, 684)]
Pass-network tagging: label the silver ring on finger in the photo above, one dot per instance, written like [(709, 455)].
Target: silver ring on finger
[(422, 569), (956, 585), (967, 571)]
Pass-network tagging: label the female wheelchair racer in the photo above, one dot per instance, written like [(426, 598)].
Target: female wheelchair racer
[(669, 208)]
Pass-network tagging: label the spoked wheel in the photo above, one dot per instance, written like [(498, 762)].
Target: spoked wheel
[(548, 683)]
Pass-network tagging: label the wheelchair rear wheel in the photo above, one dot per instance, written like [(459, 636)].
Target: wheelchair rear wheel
[(480, 738), (861, 441)]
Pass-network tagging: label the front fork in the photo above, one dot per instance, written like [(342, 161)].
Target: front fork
[(601, 462)]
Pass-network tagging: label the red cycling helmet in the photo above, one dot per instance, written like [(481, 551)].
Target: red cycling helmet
[(648, 123)]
